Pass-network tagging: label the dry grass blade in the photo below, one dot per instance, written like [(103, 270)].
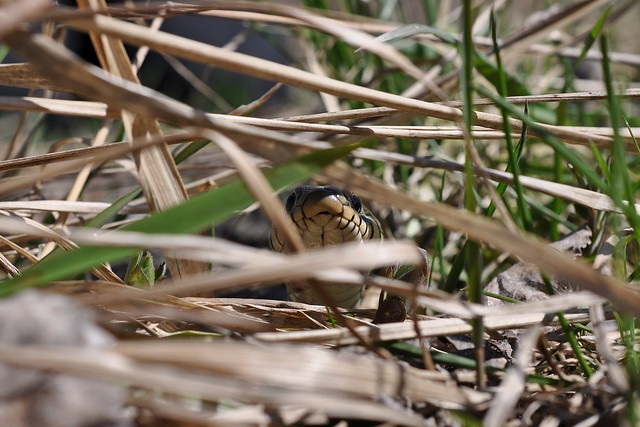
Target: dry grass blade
[(79, 184), (58, 106), (190, 247), (376, 26), (14, 14), (23, 252), (614, 371), (574, 53), (260, 188), (213, 385), (201, 52), (561, 18), (12, 225), (159, 177), (222, 346), (578, 195), (364, 41), (6, 265), (427, 328), (301, 266), (288, 366), (100, 153), (633, 93), (100, 110), (55, 206), (93, 83), (27, 76), (77, 159), (480, 229), (514, 383)]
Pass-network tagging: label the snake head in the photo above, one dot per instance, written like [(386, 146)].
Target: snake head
[(325, 216)]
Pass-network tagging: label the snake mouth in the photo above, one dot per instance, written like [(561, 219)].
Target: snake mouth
[(319, 205)]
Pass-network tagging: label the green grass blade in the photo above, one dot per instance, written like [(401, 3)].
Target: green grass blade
[(4, 51), (633, 137), (196, 214), (493, 72), (602, 163), (110, 213), (571, 336), (623, 195), (473, 255), (411, 30), (621, 186), (453, 278), (593, 36), (523, 211), (431, 10), (438, 247), (457, 361), (190, 149), (570, 156)]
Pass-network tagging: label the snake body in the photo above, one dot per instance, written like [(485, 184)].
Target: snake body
[(326, 216)]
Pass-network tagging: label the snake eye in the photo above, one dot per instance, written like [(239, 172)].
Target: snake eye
[(356, 202), (291, 201)]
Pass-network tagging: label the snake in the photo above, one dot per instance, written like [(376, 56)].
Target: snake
[(327, 216)]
